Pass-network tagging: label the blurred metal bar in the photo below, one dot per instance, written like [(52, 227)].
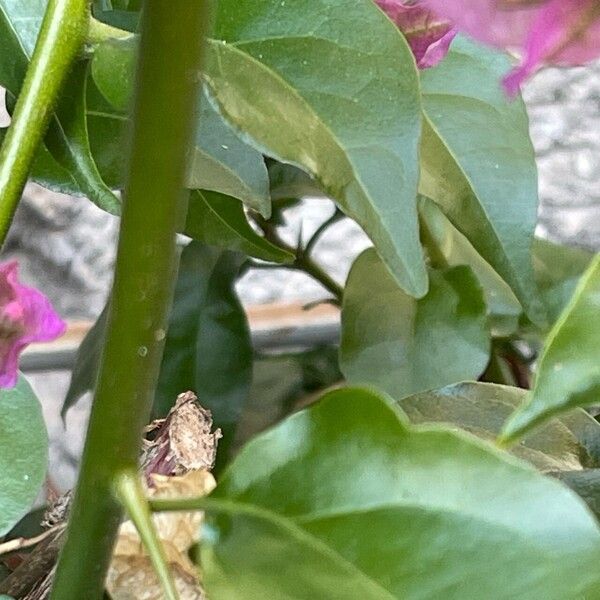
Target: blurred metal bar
[(274, 328)]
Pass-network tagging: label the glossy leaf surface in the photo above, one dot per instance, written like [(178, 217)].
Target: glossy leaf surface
[(347, 112), (402, 345), (365, 506)]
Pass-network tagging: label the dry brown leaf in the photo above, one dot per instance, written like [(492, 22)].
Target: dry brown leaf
[(131, 575)]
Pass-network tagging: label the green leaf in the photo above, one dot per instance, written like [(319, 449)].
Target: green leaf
[(403, 345), (68, 142), (585, 484), (330, 86), (478, 162), (208, 348), (23, 452), (454, 249), (220, 160), (568, 373), (87, 363), (568, 443), (289, 182), (281, 383), (557, 270), (364, 506), (66, 139), (219, 220)]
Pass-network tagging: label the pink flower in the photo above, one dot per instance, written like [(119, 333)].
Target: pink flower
[(26, 316), (559, 32), (429, 37)]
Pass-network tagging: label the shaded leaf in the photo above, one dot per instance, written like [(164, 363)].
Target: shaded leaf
[(283, 382), (87, 363), (366, 507), (478, 162), (289, 182), (208, 348), (403, 345), (585, 484), (68, 142), (568, 443), (455, 249), (66, 138), (219, 220), (568, 372), (23, 452), (220, 161), (345, 112), (557, 271)]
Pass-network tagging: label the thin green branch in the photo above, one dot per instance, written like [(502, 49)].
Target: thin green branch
[(171, 51), (303, 261), (316, 236), (131, 494), (61, 37)]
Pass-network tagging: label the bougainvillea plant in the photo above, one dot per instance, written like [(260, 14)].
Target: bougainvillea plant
[(443, 448)]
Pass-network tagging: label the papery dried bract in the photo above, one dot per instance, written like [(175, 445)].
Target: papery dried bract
[(429, 37), (131, 575)]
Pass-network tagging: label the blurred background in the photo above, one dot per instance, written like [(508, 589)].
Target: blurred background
[(66, 246)]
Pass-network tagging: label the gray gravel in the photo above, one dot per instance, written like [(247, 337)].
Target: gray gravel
[(67, 246)]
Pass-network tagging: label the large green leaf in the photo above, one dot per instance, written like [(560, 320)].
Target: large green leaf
[(208, 348), (568, 373), (219, 220), (364, 506), (478, 163), (403, 345), (23, 452), (66, 139), (568, 443), (220, 160), (331, 86)]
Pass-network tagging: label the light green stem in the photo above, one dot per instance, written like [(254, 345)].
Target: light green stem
[(61, 37), (131, 494)]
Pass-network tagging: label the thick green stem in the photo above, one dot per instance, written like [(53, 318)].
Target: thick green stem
[(171, 51), (131, 494), (60, 39)]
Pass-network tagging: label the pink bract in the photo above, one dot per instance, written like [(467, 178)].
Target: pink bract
[(26, 316), (428, 36), (558, 32)]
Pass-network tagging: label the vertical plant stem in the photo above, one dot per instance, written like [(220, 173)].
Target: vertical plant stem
[(171, 52), (131, 494), (61, 37)]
